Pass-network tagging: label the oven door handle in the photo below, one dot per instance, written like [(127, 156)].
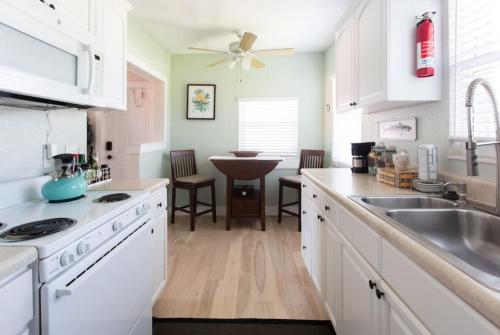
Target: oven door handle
[(63, 292)]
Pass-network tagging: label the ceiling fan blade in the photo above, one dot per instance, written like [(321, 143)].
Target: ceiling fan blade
[(257, 63), (209, 50), (218, 62), (247, 41), (275, 52)]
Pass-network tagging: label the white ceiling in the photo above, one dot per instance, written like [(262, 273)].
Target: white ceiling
[(307, 25)]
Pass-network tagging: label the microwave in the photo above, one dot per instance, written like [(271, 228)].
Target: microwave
[(41, 66)]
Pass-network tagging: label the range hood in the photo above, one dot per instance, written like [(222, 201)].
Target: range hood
[(29, 102)]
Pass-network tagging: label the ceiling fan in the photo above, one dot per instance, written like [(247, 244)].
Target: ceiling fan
[(241, 53)]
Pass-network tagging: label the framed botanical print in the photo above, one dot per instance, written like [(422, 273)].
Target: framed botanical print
[(200, 102)]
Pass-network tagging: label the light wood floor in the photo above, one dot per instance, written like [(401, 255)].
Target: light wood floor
[(242, 273)]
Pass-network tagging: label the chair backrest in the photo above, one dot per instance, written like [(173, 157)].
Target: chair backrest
[(311, 159), (183, 163)]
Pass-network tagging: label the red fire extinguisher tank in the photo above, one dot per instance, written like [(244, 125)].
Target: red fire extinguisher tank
[(425, 45)]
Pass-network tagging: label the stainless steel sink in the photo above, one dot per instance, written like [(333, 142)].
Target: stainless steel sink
[(465, 237), (408, 202), (471, 236)]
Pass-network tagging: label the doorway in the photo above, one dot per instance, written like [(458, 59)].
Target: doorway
[(121, 137)]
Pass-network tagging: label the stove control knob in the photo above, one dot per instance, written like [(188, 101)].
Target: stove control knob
[(82, 248), (145, 208), (67, 258), (117, 225), (138, 211)]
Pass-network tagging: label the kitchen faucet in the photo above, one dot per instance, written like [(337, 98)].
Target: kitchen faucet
[(471, 145)]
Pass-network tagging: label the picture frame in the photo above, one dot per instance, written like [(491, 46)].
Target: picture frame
[(398, 130), (201, 100)]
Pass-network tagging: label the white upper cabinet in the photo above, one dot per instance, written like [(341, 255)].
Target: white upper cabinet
[(114, 36), (376, 56), (82, 13), (345, 65)]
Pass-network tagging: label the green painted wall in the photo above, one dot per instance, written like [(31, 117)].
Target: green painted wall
[(301, 76), (142, 46)]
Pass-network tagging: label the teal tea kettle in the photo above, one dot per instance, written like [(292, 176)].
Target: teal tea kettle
[(67, 183)]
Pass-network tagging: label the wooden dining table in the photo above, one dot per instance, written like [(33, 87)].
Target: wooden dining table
[(245, 168)]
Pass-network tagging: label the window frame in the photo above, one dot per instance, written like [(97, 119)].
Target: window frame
[(289, 162)]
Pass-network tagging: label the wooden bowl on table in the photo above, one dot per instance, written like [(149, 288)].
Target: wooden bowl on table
[(245, 153)]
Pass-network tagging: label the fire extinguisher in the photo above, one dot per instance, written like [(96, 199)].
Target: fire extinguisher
[(425, 45)]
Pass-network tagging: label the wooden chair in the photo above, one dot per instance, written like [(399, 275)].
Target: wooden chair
[(184, 176), (309, 159)]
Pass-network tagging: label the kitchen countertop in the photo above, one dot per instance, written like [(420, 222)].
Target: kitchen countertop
[(131, 185), (341, 183), (13, 259)]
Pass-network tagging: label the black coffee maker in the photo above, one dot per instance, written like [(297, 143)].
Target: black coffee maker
[(360, 153)]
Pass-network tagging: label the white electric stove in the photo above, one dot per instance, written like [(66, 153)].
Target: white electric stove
[(90, 256)]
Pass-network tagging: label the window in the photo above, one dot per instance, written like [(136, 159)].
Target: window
[(269, 125), (346, 130), (474, 52)]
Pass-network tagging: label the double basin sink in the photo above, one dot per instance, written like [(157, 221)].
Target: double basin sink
[(467, 238)]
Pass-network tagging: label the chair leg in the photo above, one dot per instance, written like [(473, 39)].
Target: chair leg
[(214, 212), (280, 202), (300, 209), (192, 207), (172, 211)]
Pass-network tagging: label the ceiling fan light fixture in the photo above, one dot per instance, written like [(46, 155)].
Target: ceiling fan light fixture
[(246, 63), (232, 64)]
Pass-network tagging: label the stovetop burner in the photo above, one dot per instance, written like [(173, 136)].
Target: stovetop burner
[(112, 197), (37, 229)]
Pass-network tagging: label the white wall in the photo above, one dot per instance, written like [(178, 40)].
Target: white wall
[(23, 134)]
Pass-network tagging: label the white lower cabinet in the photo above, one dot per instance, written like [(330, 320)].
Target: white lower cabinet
[(368, 286), (359, 310), (16, 303), (159, 241)]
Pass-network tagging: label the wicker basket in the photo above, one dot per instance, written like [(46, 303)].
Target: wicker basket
[(397, 178)]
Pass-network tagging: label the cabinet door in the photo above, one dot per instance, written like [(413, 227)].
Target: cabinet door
[(317, 252), (159, 237), (305, 235), (345, 69), (359, 313), (332, 245), (114, 37), (81, 12), (370, 48), (397, 319)]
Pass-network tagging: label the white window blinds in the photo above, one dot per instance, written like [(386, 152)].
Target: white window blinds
[(268, 125), (474, 39)]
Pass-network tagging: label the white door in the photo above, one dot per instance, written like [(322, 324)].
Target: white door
[(370, 51), (114, 33), (332, 245), (305, 235), (397, 319), (345, 69), (317, 254), (358, 302)]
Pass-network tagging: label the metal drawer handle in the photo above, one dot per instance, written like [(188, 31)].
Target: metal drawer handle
[(327, 208), (304, 247), (379, 293), (304, 212), (315, 196), (159, 204), (303, 185), (371, 284)]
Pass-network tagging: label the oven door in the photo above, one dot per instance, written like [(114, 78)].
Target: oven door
[(106, 297), (38, 60)]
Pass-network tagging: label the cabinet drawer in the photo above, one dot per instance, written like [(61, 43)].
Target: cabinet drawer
[(439, 309), (245, 207), (363, 238), (158, 202), (16, 309)]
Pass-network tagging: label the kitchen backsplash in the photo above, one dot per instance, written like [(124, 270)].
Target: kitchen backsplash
[(23, 134)]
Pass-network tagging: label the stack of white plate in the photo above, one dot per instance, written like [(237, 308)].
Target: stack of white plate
[(428, 186)]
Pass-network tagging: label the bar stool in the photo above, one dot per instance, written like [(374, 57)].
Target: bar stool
[(184, 176), (309, 159)]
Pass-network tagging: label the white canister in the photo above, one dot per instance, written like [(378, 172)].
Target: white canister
[(427, 162), (401, 160)]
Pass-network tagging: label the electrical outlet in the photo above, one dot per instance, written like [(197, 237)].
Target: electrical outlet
[(50, 150)]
